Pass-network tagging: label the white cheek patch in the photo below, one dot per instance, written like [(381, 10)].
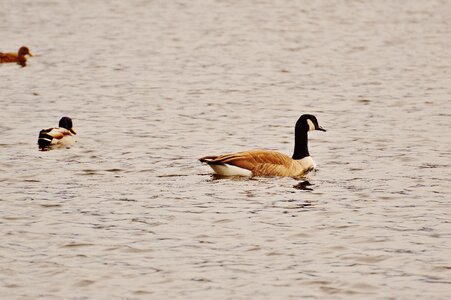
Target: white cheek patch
[(310, 125)]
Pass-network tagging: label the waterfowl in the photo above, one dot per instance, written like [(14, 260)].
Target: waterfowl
[(18, 57), (62, 136), (270, 163)]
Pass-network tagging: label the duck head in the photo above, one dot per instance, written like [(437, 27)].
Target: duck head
[(66, 122), (24, 51)]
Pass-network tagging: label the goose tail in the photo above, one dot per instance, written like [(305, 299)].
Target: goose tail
[(224, 169), (210, 159)]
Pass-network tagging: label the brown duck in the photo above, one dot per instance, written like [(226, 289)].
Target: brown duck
[(270, 163), (18, 57)]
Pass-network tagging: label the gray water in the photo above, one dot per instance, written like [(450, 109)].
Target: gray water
[(129, 213)]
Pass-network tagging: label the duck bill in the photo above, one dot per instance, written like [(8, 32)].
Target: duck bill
[(73, 131), (29, 53), (321, 129)]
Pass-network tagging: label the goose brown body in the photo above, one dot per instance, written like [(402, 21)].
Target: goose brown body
[(19, 57), (262, 163)]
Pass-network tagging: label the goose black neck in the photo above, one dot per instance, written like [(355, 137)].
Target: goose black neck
[(300, 142)]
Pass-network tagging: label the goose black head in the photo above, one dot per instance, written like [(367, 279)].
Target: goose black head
[(304, 124), (66, 122), (308, 123)]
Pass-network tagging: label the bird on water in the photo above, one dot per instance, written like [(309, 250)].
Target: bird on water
[(18, 57), (270, 163), (57, 137)]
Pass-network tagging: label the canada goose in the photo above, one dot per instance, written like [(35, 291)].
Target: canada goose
[(270, 163), (62, 136), (18, 57)]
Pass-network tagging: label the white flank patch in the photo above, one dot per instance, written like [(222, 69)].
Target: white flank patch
[(65, 141), (311, 126), (229, 170)]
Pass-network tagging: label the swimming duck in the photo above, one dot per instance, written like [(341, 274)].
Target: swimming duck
[(62, 136), (18, 57), (270, 163)]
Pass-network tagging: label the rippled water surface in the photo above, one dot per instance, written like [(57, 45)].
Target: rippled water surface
[(129, 212)]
